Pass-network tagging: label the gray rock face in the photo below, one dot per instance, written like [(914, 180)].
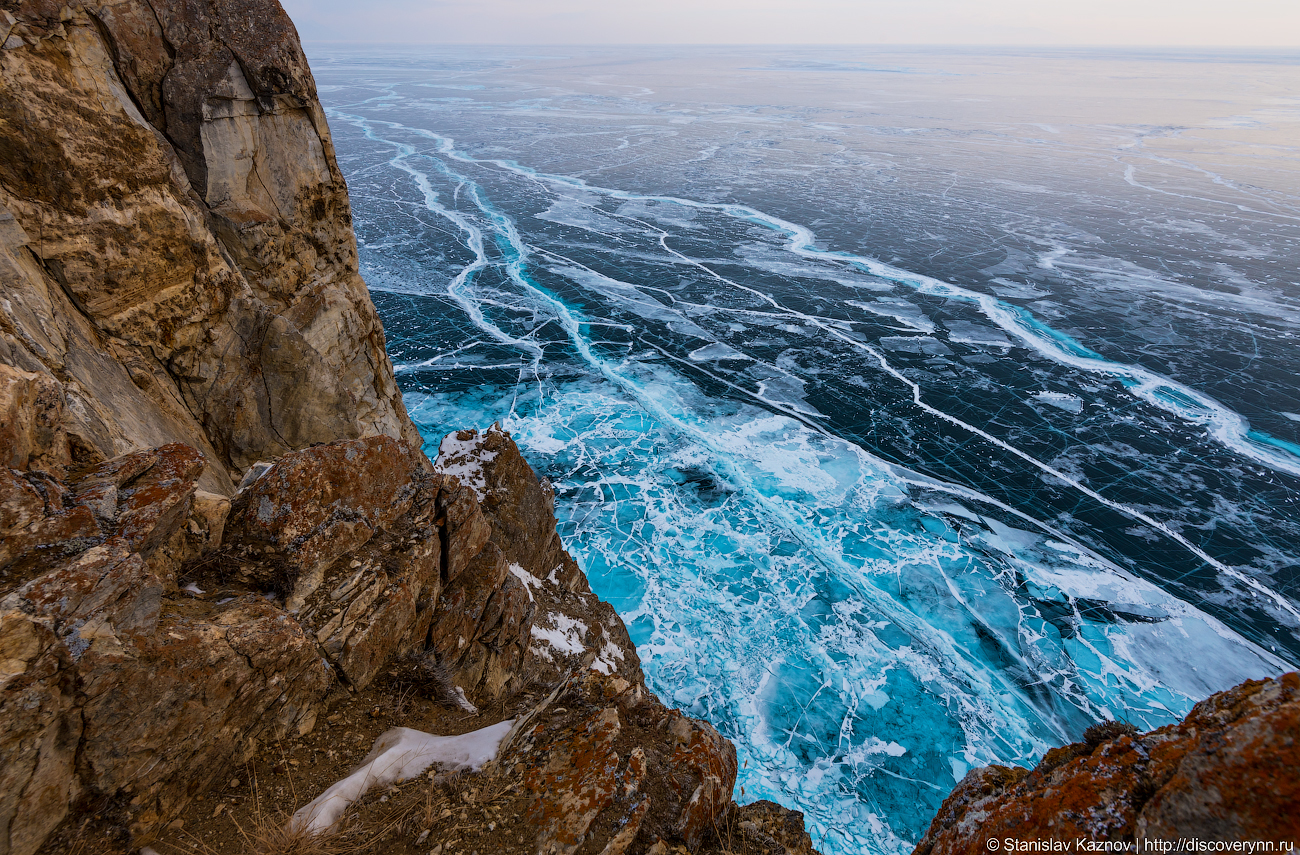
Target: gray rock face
[(176, 246)]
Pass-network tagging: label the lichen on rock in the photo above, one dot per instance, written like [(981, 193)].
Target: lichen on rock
[(1225, 773)]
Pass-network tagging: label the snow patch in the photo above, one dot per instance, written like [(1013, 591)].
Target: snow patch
[(398, 755), (465, 458), (530, 581), (566, 636), (605, 663)]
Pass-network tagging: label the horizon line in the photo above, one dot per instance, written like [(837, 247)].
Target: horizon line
[(1041, 45)]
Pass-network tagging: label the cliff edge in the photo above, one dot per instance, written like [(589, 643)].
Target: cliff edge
[(1222, 780), (227, 570)]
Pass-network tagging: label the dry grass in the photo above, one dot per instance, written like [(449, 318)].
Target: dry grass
[(277, 837), (271, 833)]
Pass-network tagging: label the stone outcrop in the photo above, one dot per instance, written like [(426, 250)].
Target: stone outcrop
[(604, 759), (216, 523), (113, 681), (176, 248), (151, 649), (1225, 773)]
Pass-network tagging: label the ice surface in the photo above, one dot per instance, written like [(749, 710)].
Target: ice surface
[(398, 755), (917, 491), (1061, 400)]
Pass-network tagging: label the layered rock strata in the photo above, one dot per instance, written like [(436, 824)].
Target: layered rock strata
[(175, 237), (1226, 773)]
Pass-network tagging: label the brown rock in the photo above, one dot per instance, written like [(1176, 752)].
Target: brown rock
[(32, 434), (777, 829), (1237, 780), (520, 506), (522, 611), (467, 531), (347, 530), (39, 733), (1225, 773), (20, 504), (607, 765), (313, 506), (105, 591), (462, 606), (169, 713), (577, 781), (173, 297), (704, 774), (362, 618), (97, 487), (108, 687), (153, 505), (210, 511), (47, 541)]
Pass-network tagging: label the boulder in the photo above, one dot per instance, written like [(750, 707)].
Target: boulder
[(1225, 773), (307, 509)]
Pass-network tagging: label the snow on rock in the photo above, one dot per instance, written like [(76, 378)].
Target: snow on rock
[(565, 636), (462, 454), (398, 755), (464, 702), (529, 580), (605, 662)]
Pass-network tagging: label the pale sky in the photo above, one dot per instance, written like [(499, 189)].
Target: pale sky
[(1037, 22)]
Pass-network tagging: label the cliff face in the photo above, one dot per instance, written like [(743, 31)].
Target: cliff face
[(175, 239), (181, 301)]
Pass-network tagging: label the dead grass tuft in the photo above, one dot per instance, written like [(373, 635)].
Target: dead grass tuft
[(274, 836)]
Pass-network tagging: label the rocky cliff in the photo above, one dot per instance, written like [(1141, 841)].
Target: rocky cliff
[(1227, 773), (176, 246), (227, 570)]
